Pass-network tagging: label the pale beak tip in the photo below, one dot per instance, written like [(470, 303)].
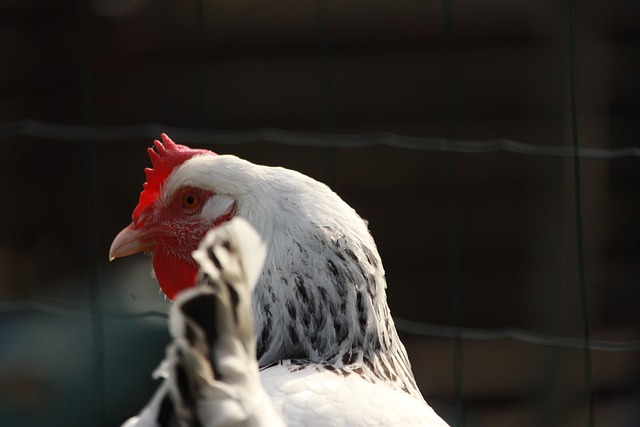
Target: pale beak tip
[(130, 241)]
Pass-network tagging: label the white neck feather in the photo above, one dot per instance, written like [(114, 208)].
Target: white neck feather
[(321, 295)]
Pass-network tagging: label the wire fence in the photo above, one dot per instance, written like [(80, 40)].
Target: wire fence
[(98, 311), (82, 309), (213, 137)]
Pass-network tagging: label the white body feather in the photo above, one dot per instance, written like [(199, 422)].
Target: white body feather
[(313, 396), (326, 342)]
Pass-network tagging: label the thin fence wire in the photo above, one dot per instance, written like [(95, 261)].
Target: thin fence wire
[(577, 191), (211, 137), (90, 170), (453, 240), (83, 309)]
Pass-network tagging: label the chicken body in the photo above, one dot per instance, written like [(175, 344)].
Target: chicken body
[(325, 338)]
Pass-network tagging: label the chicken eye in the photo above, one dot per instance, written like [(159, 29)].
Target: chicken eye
[(190, 201)]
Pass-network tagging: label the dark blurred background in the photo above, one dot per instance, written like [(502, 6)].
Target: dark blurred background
[(484, 240)]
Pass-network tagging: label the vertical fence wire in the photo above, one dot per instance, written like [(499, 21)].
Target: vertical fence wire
[(326, 86), (205, 87), (92, 220), (452, 211), (582, 282)]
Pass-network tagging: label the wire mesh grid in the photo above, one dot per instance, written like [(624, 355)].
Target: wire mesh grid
[(108, 320)]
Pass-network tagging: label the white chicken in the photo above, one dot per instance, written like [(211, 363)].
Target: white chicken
[(326, 344)]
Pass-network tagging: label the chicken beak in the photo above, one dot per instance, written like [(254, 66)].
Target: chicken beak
[(131, 240)]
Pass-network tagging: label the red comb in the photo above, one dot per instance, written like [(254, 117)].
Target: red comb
[(165, 158)]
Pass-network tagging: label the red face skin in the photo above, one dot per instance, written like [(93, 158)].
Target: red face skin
[(172, 231)]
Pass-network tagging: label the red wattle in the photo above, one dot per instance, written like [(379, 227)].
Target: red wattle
[(173, 274)]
